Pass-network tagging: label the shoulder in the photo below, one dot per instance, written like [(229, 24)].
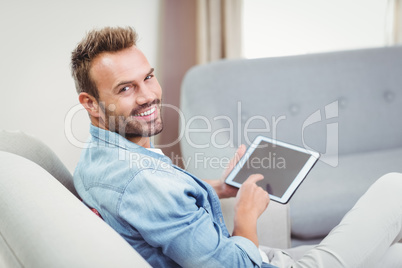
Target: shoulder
[(114, 167)]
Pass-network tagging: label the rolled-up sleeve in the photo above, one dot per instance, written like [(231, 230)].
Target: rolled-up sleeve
[(169, 213)]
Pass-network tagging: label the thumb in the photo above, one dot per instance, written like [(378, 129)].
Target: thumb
[(238, 155), (232, 163)]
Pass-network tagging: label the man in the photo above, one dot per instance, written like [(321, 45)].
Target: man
[(154, 205), (170, 217)]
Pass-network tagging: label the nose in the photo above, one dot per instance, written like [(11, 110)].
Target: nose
[(145, 95)]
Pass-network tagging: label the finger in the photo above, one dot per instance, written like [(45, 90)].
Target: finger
[(241, 151), (255, 178), (238, 155)]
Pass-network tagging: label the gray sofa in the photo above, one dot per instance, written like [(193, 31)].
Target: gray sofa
[(43, 223), (347, 105)]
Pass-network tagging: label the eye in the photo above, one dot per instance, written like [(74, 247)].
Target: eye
[(124, 89), (149, 76)]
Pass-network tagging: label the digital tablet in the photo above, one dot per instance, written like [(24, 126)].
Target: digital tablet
[(284, 167)]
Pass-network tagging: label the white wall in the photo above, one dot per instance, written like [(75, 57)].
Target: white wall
[(37, 37), (288, 27)]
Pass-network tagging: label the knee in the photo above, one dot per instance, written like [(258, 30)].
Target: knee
[(393, 177), (391, 181)]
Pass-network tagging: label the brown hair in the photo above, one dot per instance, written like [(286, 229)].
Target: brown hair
[(95, 43)]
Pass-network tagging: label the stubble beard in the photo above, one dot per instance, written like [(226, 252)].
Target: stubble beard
[(132, 127)]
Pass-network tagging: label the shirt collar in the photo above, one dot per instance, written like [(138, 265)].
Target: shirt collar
[(113, 139)]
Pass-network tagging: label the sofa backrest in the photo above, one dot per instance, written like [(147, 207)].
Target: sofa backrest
[(336, 103), (32, 148)]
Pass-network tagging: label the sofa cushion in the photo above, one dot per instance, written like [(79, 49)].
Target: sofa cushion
[(7, 257), (329, 192)]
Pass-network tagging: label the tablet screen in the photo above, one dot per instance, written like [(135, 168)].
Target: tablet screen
[(278, 165), (283, 166)]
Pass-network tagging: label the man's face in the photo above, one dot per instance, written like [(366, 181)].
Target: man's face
[(129, 94)]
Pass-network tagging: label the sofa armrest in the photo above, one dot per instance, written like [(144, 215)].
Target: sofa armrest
[(42, 224), (273, 227)]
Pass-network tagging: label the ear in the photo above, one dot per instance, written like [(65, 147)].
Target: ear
[(90, 104)]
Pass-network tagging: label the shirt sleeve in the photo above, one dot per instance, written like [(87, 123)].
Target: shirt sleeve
[(165, 209)]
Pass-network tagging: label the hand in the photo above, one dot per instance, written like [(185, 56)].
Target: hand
[(228, 190), (222, 189), (251, 201)]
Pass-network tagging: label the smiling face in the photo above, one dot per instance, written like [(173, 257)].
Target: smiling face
[(129, 95)]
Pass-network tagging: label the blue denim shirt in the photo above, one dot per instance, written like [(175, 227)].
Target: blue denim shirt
[(167, 215)]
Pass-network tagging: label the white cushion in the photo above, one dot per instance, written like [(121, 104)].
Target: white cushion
[(42, 224)]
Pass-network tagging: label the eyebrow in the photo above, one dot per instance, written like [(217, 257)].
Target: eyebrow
[(130, 82)]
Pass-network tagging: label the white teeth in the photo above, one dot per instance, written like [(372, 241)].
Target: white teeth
[(147, 112)]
